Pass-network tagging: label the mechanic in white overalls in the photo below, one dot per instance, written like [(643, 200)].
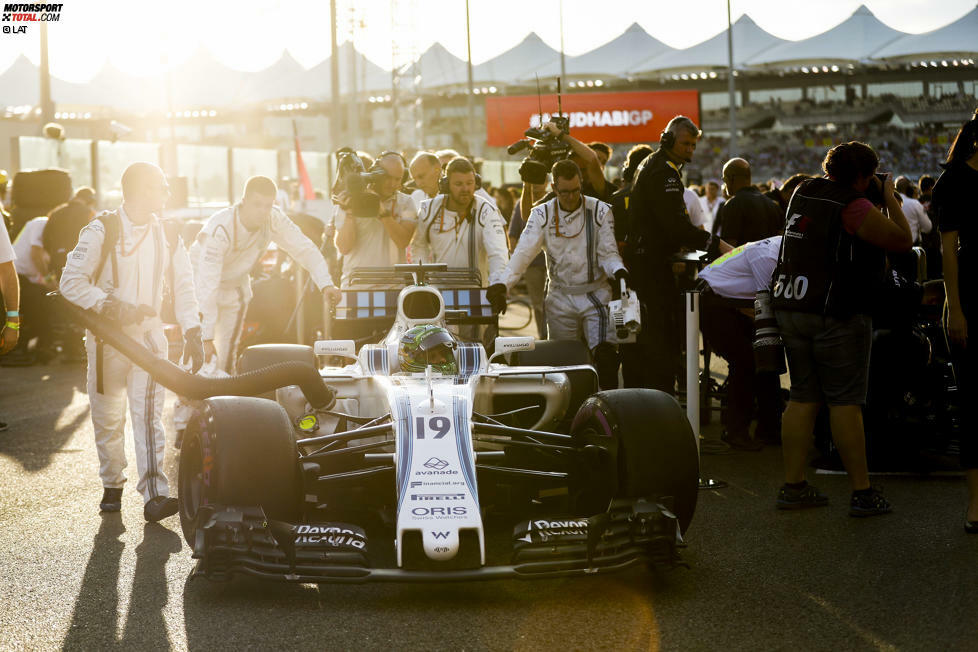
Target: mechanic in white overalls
[(460, 228), (125, 285), (223, 254), (577, 234)]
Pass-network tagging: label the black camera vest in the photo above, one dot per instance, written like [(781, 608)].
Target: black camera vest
[(821, 268)]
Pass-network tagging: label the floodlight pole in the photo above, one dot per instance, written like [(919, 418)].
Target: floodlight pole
[(47, 106), (470, 98), (334, 89), (730, 85)]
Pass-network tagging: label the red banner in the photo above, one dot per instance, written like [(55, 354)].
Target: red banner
[(633, 117)]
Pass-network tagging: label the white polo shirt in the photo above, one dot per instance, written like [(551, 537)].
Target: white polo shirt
[(740, 273)]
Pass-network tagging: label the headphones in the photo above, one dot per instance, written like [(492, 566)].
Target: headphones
[(443, 183), (667, 139)]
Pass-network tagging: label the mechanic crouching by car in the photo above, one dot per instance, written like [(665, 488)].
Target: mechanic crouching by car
[(118, 269), (831, 264), (577, 235), (659, 228), (228, 246), (728, 287), (461, 229)]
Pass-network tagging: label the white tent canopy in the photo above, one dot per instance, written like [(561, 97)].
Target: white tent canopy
[(519, 62), (953, 40), (613, 59), (438, 67), (749, 40), (852, 40)]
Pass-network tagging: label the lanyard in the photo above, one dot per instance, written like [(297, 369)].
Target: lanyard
[(557, 219), (459, 220)]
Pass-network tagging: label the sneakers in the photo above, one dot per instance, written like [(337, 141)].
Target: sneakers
[(742, 442), (111, 500), (868, 503), (803, 498), (159, 508)]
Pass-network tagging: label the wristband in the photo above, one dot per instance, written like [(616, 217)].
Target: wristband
[(13, 325), (13, 313)]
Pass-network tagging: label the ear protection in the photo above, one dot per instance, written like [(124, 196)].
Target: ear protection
[(443, 183), (667, 139)]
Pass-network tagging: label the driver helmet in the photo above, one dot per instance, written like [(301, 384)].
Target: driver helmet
[(427, 345)]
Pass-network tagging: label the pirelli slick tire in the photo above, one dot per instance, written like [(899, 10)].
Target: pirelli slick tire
[(651, 449), (263, 355), (239, 451)]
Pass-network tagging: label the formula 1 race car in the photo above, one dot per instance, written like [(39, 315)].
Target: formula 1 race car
[(436, 462)]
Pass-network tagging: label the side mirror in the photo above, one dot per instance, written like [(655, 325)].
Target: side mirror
[(505, 345), (344, 348)]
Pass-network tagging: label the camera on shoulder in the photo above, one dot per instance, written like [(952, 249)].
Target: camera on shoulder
[(546, 148), (353, 178)]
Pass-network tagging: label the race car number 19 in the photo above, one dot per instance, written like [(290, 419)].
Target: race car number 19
[(440, 426)]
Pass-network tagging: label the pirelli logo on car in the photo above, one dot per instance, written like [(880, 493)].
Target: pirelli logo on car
[(437, 497)]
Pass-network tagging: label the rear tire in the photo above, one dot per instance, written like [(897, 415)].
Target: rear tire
[(239, 451), (653, 447)]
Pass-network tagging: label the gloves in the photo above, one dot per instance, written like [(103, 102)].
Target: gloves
[(496, 294), (193, 349), (124, 313), (712, 250)]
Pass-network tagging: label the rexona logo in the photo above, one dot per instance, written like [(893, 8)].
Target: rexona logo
[(330, 536), (439, 511)]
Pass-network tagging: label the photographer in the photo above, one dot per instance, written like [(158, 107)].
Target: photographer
[(461, 229), (659, 229), (577, 235), (375, 241), (831, 265)]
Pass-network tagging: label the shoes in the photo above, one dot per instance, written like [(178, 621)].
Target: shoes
[(971, 527), (869, 503), (159, 508), (803, 498), (111, 500), (742, 442)]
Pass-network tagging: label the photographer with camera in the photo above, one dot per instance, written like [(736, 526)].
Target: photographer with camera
[(461, 229), (577, 234), (659, 228), (831, 265), (374, 221)]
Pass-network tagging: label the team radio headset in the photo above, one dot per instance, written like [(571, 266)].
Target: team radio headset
[(443, 189)]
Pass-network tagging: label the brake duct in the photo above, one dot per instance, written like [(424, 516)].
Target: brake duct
[(267, 379)]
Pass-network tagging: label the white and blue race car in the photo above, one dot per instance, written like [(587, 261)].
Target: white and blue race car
[(457, 469)]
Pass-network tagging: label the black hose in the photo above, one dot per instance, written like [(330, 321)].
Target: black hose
[(317, 392)]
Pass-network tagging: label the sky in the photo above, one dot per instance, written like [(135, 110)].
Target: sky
[(142, 37)]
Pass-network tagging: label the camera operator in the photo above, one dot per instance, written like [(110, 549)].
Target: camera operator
[(831, 265), (376, 241), (461, 229), (660, 228), (577, 234)]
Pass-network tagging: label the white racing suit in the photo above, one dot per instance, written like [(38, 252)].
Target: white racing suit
[(582, 256), (142, 263), (222, 256), (475, 242)]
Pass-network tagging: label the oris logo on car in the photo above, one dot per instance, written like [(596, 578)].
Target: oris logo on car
[(439, 511)]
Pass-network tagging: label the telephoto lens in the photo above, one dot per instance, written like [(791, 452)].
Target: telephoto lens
[(768, 345)]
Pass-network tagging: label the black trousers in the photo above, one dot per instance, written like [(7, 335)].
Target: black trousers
[(966, 374), (730, 333), (659, 342)]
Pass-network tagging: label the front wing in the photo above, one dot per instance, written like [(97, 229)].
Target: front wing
[(243, 541)]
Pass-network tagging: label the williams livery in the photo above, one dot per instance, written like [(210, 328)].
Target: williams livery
[(472, 468)]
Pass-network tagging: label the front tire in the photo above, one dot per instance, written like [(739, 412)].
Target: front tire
[(242, 452), (651, 449)]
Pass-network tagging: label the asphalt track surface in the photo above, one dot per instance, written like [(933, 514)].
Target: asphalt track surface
[(759, 579)]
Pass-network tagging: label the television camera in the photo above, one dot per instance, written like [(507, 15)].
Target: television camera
[(353, 178), (546, 148)]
